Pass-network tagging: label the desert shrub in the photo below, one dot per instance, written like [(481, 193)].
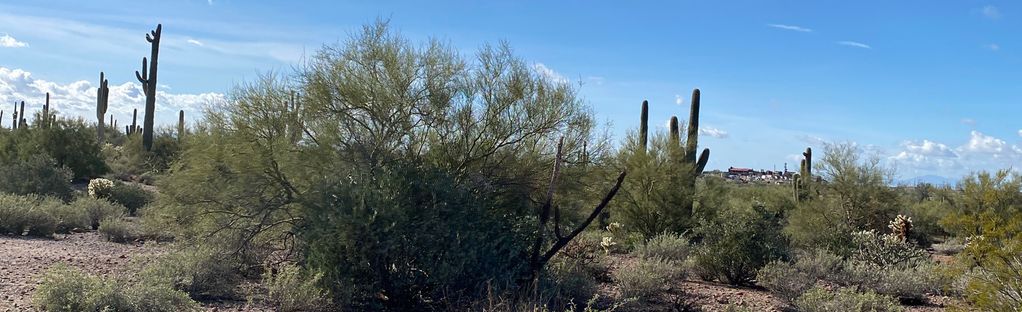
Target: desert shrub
[(290, 289), (131, 196), (926, 216), (100, 188), (655, 201), (790, 280), (70, 143), (845, 300), (37, 175), (97, 210), (909, 284), (666, 246), (22, 215), (67, 217), (116, 229), (202, 271), (856, 197), (131, 161), (950, 247), (68, 289), (646, 277), (65, 288), (738, 243), (885, 250), (571, 281)]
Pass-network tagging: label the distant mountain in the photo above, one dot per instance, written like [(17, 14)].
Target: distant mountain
[(931, 179)]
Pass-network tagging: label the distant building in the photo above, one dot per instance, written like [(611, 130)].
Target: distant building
[(749, 175)]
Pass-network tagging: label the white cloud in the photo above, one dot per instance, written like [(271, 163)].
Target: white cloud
[(813, 140), (991, 12), (929, 148), (78, 98), (854, 44), (195, 42), (969, 122), (790, 27), (981, 143), (713, 132), (1020, 133), (993, 47), (549, 73), (6, 41), (678, 99)]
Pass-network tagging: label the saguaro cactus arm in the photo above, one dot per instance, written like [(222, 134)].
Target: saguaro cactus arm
[(644, 125)]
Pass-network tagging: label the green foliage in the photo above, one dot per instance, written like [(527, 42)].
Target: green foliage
[(37, 175), (653, 201), (645, 278), (986, 215), (845, 300), (21, 215), (907, 283), (65, 288), (131, 196), (70, 143), (97, 210), (291, 290), (666, 246), (739, 242), (116, 229), (926, 216), (132, 160), (201, 270), (409, 176), (885, 250), (67, 217), (856, 198), (575, 272), (791, 280)]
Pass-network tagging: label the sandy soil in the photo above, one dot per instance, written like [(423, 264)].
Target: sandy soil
[(23, 260)]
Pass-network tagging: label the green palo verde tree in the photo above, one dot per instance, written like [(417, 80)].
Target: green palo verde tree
[(415, 180)]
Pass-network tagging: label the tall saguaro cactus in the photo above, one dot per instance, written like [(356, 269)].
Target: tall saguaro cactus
[(22, 123), (644, 125), (134, 121), (180, 125), (14, 117), (692, 142), (102, 95), (148, 80), (45, 122), (802, 182)]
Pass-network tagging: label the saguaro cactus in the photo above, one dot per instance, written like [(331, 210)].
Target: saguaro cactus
[(134, 121), (21, 119), (692, 142), (102, 95), (802, 182), (644, 125), (14, 117), (148, 80), (45, 117), (180, 125)]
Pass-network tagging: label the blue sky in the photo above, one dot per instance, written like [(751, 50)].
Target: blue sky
[(931, 87)]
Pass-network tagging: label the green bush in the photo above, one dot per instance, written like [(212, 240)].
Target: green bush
[(68, 217), (70, 143), (290, 289), (131, 196), (845, 300), (65, 288), (37, 175), (791, 280), (885, 250), (116, 229), (22, 215), (646, 278), (203, 271), (666, 246), (738, 243), (909, 284), (97, 210)]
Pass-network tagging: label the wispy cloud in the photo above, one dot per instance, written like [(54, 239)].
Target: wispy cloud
[(993, 47), (790, 27), (678, 99), (195, 42), (6, 41), (854, 44), (969, 122), (549, 73), (713, 132), (991, 12)]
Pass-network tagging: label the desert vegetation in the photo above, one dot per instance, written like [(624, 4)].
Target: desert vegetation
[(383, 174)]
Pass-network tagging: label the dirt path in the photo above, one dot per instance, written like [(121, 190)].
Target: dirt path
[(23, 260)]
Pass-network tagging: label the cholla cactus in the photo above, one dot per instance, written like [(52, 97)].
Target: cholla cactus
[(900, 227), (607, 244), (615, 227), (100, 188)]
